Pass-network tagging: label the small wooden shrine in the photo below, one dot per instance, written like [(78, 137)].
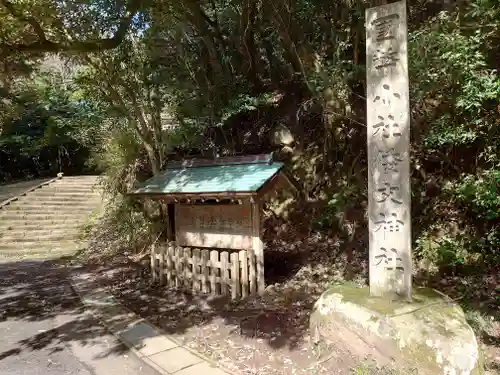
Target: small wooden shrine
[(215, 205)]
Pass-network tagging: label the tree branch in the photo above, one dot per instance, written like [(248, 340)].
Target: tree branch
[(30, 20), (45, 45)]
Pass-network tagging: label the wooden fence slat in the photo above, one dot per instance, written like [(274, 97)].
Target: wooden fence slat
[(201, 270), (187, 271), (196, 272), (153, 263), (169, 256), (257, 246), (235, 276), (252, 271), (224, 273), (214, 258), (243, 261), (161, 263), (178, 267), (205, 259)]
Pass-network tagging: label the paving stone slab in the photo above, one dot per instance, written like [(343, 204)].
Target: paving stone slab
[(153, 345), (201, 369), (116, 314), (175, 359), (100, 299), (137, 333), (149, 343)]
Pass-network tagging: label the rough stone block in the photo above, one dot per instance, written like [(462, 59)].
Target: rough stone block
[(429, 333)]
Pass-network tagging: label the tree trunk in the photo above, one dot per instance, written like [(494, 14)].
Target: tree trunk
[(198, 18), (248, 42), (289, 45)]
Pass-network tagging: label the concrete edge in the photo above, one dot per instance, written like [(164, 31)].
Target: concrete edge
[(130, 346), (16, 197)]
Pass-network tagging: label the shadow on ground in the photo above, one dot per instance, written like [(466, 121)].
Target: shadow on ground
[(269, 333), (40, 292)]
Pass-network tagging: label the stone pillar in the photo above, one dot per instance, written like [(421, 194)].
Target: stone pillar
[(388, 138)]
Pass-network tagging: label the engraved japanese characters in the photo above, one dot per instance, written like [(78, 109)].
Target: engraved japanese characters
[(388, 134)]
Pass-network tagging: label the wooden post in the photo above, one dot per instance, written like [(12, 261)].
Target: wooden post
[(205, 258), (196, 274), (161, 262), (252, 273), (258, 247), (153, 263), (185, 261), (214, 260), (235, 276), (243, 255), (178, 266), (170, 255), (224, 265)]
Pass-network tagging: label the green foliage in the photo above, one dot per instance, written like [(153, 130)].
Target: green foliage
[(120, 158), (50, 131), (480, 192), (479, 321), (245, 103), (242, 64), (445, 133), (443, 250), (338, 204), (449, 62), (123, 228), (456, 93)]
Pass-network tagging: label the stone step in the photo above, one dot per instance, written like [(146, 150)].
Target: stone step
[(39, 235), (75, 187), (86, 182), (81, 177), (40, 253), (27, 246), (63, 193), (57, 200), (47, 222), (41, 207), (62, 199), (45, 209), (38, 231), (36, 217), (29, 226), (43, 224), (43, 256), (77, 182), (66, 190)]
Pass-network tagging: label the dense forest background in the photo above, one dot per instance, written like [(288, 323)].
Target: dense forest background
[(121, 88)]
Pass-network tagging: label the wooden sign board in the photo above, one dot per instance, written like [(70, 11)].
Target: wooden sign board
[(221, 226)]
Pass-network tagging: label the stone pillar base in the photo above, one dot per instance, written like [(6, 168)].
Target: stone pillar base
[(428, 335)]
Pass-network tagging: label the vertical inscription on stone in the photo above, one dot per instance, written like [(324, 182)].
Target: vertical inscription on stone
[(388, 136)]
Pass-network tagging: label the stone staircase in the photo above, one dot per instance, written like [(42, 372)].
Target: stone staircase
[(46, 222), (14, 189)]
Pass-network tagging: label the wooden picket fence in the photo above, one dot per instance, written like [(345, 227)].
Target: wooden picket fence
[(206, 271)]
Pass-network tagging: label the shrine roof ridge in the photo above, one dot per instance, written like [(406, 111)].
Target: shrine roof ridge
[(244, 175), (224, 160)]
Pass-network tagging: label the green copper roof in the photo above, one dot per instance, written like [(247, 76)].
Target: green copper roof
[(234, 178)]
